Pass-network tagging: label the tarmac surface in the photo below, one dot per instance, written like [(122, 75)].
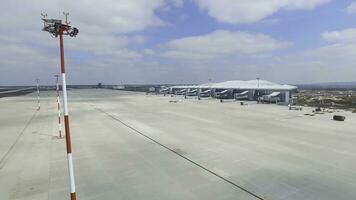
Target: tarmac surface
[(130, 145)]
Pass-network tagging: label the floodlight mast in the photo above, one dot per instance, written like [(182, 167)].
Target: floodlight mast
[(258, 89), (38, 94), (58, 107), (57, 28)]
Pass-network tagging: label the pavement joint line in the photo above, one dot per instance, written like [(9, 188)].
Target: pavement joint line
[(182, 156), (5, 157)]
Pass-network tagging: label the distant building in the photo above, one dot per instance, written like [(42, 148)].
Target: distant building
[(251, 90)]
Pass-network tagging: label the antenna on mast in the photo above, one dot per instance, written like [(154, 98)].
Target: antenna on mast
[(66, 15), (44, 15)]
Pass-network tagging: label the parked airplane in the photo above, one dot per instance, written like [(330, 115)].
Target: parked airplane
[(241, 96), (192, 92), (224, 94), (181, 92), (164, 91), (205, 93), (273, 97)]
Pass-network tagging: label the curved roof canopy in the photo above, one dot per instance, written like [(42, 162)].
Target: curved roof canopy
[(252, 85), (243, 85)]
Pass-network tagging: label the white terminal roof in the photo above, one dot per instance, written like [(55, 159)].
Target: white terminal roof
[(243, 85), (184, 86)]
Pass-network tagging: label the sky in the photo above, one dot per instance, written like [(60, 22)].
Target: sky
[(180, 41)]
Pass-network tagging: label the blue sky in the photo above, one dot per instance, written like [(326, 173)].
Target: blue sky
[(302, 27), (182, 41)]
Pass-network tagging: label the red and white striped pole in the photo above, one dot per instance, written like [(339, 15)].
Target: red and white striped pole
[(57, 28), (58, 107), (38, 94), (66, 121)]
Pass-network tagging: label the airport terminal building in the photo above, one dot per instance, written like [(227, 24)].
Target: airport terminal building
[(260, 90)]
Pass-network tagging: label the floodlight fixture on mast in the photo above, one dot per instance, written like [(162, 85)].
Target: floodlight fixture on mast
[(56, 28)]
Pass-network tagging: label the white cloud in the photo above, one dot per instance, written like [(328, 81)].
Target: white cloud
[(101, 24), (351, 9), (121, 16), (341, 50), (177, 3), (335, 52), (106, 29), (111, 29), (221, 43), (331, 62), (341, 36), (250, 11), (148, 52)]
